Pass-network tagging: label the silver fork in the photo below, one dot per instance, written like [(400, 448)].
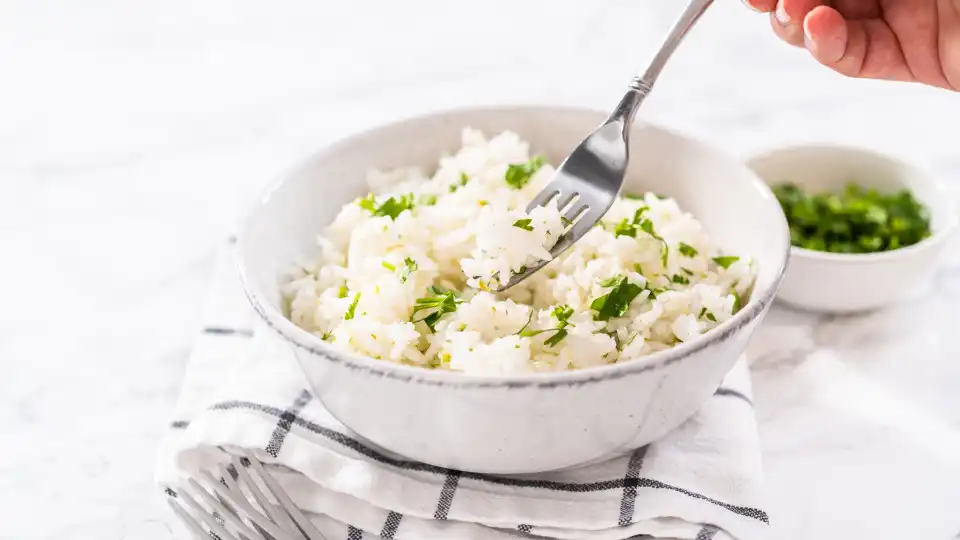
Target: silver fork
[(208, 505), (589, 179)]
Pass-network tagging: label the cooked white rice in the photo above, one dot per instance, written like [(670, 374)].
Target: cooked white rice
[(646, 279)]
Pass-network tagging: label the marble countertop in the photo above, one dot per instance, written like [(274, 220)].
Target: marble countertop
[(133, 134)]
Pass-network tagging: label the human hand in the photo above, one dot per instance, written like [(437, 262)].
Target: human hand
[(900, 40)]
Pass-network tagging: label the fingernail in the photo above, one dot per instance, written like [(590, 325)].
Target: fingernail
[(781, 15)]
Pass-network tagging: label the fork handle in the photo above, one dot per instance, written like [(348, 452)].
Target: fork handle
[(641, 85)]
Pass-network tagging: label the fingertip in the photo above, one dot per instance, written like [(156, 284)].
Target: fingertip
[(761, 6), (790, 33), (825, 34)]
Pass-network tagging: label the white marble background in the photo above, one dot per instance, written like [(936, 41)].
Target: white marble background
[(132, 133)]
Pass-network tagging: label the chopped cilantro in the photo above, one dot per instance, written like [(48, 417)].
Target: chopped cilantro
[(737, 303), (687, 271), (710, 317), (353, 307), (389, 266), (682, 280), (440, 304), (428, 200), (523, 224), (707, 315), (463, 181), (391, 207), (725, 262), (617, 301), (687, 250), (409, 267), (519, 174), (562, 313), (633, 196), (342, 293), (625, 228)]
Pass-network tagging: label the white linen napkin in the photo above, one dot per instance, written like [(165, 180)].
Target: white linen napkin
[(244, 389)]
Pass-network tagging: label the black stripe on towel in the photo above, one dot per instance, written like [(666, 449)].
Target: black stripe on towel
[(354, 533), (707, 533), (734, 394), (568, 487), (446, 495), (287, 419), (630, 482), (224, 331), (391, 525)]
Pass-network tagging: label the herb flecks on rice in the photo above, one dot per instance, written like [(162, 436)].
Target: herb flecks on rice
[(404, 273)]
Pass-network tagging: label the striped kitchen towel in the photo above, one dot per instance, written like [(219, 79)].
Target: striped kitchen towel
[(244, 389)]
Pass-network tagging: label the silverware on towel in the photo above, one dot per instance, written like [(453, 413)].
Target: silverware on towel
[(589, 179), (220, 505)]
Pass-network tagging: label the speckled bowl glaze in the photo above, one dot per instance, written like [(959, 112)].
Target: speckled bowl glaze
[(521, 424)]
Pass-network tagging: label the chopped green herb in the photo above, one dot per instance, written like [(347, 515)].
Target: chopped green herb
[(389, 266), (725, 262), (633, 196), (687, 271), (353, 307), (342, 293), (707, 315), (638, 215), (368, 203), (523, 224), (391, 207), (428, 200), (519, 174), (409, 266), (556, 338), (687, 250), (856, 220), (737, 303), (482, 202), (682, 280), (326, 336), (562, 313), (440, 304), (638, 269), (625, 228), (617, 301), (463, 181)]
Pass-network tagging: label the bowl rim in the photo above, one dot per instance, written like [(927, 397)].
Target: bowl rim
[(936, 237), (300, 338)]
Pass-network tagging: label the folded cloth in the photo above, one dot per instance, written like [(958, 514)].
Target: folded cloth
[(243, 389)]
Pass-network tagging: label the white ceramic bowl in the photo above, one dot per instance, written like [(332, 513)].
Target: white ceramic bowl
[(519, 424), (848, 283)]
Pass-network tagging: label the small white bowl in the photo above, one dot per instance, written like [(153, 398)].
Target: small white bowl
[(849, 283), (530, 423)]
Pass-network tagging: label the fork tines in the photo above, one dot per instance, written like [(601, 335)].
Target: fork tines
[(246, 503)]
